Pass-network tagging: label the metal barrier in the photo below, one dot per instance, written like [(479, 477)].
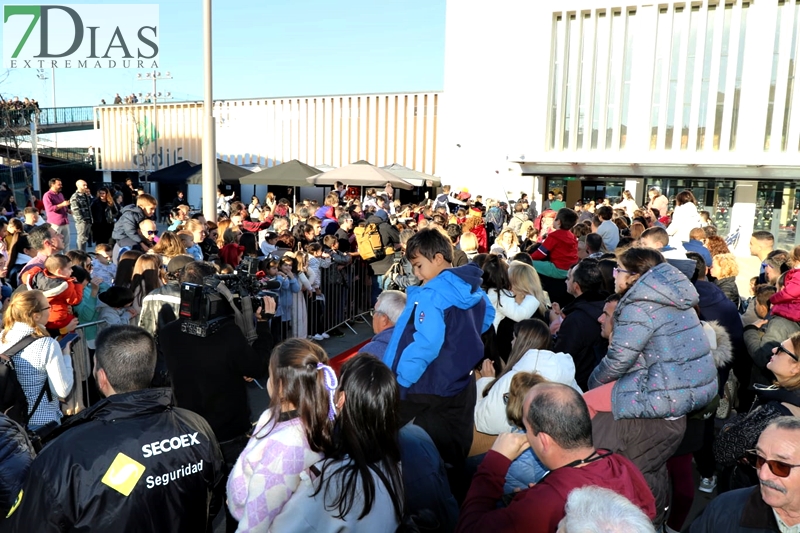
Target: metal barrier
[(82, 366), (51, 116), (346, 296)]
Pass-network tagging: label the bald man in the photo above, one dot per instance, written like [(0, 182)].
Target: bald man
[(80, 204)]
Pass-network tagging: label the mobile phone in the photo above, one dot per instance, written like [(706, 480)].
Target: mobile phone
[(66, 339)]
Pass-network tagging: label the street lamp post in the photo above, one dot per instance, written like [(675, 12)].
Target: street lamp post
[(209, 133), (155, 76)]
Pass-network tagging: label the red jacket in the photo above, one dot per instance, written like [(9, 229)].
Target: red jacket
[(786, 302), (61, 293), (560, 248), (483, 242), (541, 508)]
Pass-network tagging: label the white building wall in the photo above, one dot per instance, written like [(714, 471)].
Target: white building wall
[(658, 82)]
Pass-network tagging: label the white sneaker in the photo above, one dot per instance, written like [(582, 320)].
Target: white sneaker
[(708, 484), (325, 336), (318, 337)]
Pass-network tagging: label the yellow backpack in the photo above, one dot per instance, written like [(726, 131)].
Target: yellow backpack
[(368, 240)]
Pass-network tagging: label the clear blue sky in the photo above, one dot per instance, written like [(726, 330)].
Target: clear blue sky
[(273, 48)]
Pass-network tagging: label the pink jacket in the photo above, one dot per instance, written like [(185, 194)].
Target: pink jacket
[(786, 303)]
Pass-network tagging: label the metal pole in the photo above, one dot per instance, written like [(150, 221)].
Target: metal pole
[(155, 125), (209, 133), (53, 79), (34, 153)]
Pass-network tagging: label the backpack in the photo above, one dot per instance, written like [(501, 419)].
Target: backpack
[(370, 245), (441, 201), (12, 398)]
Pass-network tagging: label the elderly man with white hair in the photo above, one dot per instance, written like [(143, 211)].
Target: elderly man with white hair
[(387, 311), (594, 509)]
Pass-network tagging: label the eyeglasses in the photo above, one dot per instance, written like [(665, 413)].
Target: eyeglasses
[(152, 232), (618, 270), (779, 468), (779, 348), (42, 309)]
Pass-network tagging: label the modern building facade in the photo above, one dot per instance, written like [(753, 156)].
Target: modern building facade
[(592, 98)]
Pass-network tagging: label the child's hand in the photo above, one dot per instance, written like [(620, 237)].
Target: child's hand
[(72, 325)]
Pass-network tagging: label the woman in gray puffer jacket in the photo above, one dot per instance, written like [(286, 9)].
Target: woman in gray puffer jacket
[(658, 356)]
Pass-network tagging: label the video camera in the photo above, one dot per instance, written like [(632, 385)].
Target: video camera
[(203, 308)]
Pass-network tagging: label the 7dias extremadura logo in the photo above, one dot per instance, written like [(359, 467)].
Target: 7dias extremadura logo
[(80, 36)]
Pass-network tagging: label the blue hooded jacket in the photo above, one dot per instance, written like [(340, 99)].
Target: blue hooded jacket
[(437, 340)]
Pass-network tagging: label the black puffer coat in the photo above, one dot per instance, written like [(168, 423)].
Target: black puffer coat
[(16, 454)]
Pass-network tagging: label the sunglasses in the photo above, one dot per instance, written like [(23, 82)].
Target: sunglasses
[(779, 348), (152, 232), (779, 468)]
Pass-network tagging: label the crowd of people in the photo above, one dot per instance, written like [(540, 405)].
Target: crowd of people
[(16, 112), (554, 370)]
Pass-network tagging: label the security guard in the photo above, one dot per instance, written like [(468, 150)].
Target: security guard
[(133, 462)]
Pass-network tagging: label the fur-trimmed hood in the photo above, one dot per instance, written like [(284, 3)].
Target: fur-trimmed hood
[(720, 342)]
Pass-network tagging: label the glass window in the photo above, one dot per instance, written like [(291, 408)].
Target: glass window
[(569, 55), (664, 32), (790, 83), (614, 69), (773, 78), (706, 80), (584, 73), (723, 74), (776, 211), (677, 37), (601, 73), (688, 82), (555, 87), (739, 67), (713, 195), (626, 80)]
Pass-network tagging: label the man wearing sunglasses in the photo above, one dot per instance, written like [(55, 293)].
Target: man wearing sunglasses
[(774, 505)]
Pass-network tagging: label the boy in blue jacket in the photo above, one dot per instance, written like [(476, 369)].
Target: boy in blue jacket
[(436, 344)]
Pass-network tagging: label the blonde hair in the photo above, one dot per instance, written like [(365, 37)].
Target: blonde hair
[(525, 279), (469, 242), (302, 261), (21, 308), (727, 264), (222, 227), (521, 383), (499, 239)]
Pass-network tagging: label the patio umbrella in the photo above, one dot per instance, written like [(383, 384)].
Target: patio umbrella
[(360, 174), (290, 174), (412, 176), (226, 173)]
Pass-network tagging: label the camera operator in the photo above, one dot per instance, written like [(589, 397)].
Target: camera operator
[(209, 374)]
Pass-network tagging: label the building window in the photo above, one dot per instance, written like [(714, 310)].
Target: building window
[(705, 82), (615, 70), (601, 73), (790, 82), (723, 75), (774, 77), (626, 80), (737, 92), (680, 21)]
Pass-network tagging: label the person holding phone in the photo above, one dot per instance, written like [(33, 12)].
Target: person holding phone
[(43, 367)]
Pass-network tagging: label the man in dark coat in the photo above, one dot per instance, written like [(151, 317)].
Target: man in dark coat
[(390, 239), (579, 333)]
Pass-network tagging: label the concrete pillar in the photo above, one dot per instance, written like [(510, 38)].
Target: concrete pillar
[(743, 214)]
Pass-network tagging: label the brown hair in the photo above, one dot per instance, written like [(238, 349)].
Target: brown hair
[(145, 200), (297, 380), (169, 245), (716, 245), (685, 197), (640, 260), (637, 228), (521, 383)]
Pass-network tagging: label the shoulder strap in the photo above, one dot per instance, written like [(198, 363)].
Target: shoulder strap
[(45, 388), (18, 347)]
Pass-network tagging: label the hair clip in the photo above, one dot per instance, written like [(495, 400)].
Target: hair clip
[(330, 381)]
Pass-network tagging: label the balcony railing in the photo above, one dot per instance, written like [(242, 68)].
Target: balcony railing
[(65, 115)]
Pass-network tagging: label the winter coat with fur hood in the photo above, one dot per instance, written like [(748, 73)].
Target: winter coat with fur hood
[(659, 355)]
